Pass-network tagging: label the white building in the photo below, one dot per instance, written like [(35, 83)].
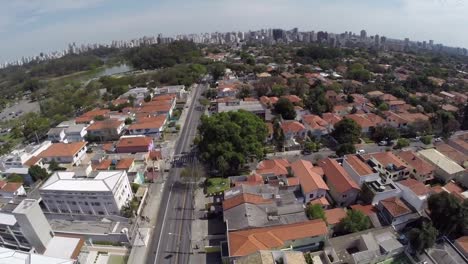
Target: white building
[(18, 158), (95, 193), (446, 169), (359, 170), (174, 89), (75, 133), (415, 193), (70, 153)]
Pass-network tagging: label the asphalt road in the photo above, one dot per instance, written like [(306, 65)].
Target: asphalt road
[(171, 240)]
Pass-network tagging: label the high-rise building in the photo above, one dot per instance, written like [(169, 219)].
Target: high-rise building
[(363, 34), (377, 40)]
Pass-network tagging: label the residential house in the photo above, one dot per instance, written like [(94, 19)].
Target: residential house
[(76, 133), (248, 206), (415, 193), (403, 120), (296, 100), (227, 90), (375, 191), (309, 234), (57, 134), (396, 212), (252, 179), (343, 189), (331, 118), (316, 125), (453, 154), (312, 185), (106, 130), (19, 158), (71, 153), (10, 190), (366, 247), (137, 93), (153, 126), (359, 170), (91, 193), (460, 143), (323, 202), (178, 90), (272, 256), (419, 168), (274, 167), (156, 107), (388, 165), (293, 129), (446, 169), (333, 217), (88, 117), (134, 144), (368, 122)]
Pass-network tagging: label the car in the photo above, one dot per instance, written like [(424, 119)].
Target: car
[(382, 143), (438, 139), (361, 151)]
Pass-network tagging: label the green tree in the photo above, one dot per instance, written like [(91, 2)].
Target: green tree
[(217, 70), (128, 121), (355, 221), (422, 238), (383, 107), (245, 90), (285, 108), (15, 178), (402, 143), (278, 135), (38, 173), (385, 133), (347, 131), (315, 211), (230, 139), (278, 90), (147, 98), (345, 148), (447, 213), (426, 139), (54, 166)]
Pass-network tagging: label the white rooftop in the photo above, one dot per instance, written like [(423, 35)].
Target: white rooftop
[(7, 219), (441, 161), (9, 256), (62, 247), (66, 181)]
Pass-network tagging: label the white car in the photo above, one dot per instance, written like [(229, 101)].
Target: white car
[(360, 152), (439, 139)]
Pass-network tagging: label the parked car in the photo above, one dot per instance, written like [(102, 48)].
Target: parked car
[(382, 143), (361, 151), (438, 139)]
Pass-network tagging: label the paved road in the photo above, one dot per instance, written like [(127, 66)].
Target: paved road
[(171, 239)]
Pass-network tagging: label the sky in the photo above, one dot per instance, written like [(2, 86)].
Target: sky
[(28, 27)]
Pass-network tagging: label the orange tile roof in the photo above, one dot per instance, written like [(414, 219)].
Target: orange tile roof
[(104, 165), (365, 209), (361, 168), (124, 164), (134, 142), (292, 126), (366, 120), (105, 124), (293, 181), (32, 161), (158, 102), (315, 122), (164, 97), (421, 166), (309, 180), (10, 186), (386, 158), (337, 176), (292, 98), (63, 149), (90, 115), (395, 206), (322, 201), (155, 108), (275, 166), (417, 187), (463, 242), (244, 198), (453, 187), (388, 97), (331, 118), (149, 122), (335, 215), (252, 179), (245, 242), (155, 155)]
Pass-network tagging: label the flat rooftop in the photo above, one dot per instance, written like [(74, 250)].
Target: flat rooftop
[(67, 181), (64, 247)]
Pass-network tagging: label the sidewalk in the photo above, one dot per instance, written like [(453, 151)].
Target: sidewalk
[(199, 229)]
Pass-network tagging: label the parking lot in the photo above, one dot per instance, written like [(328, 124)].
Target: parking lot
[(19, 108)]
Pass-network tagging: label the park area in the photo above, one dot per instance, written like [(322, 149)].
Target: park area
[(216, 186)]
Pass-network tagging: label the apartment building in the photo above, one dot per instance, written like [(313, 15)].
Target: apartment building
[(92, 193)]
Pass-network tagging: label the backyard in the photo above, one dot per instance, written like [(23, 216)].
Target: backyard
[(216, 186)]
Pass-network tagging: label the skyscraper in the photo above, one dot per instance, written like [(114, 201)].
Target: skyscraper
[(363, 34)]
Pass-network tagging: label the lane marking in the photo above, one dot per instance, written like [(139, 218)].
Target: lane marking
[(163, 224)]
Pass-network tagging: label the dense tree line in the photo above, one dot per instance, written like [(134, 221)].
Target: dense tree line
[(158, 56)]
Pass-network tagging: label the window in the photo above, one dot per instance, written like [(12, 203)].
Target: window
[(311, 196), (344, 196)]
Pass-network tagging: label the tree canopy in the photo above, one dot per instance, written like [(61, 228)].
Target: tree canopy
[(422, 238), (345, 148), (229, 139), (315, 211), (38, 173), (347, 131), (285, 108), (447, 213), (385, 133), (354, 221)]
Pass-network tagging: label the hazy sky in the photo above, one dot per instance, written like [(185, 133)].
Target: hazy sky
[(28, 27)]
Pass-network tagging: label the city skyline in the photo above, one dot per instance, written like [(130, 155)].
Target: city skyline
[(28, 28)]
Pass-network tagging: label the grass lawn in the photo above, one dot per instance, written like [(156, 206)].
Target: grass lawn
[(400, 259), (116, 259), (216, 185)]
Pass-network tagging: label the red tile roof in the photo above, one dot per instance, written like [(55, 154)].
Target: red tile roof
[(275, 166), (337, 176), (309, 180), (292, 127), (252, 179), (105, 124), (104, 165), (361, 168), (244, 198), (155, 155), (63, 149), (149, 122), (463, 243), (421, 166), (386, 158), (134, 142), (395, 206), (10, 187), (124, 164), (245, 242), (365, 209), (335, 215), (331, 118), (366, 120), (292, 98), (322, 201), (417, 187), (32, 161), (315, 122)]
